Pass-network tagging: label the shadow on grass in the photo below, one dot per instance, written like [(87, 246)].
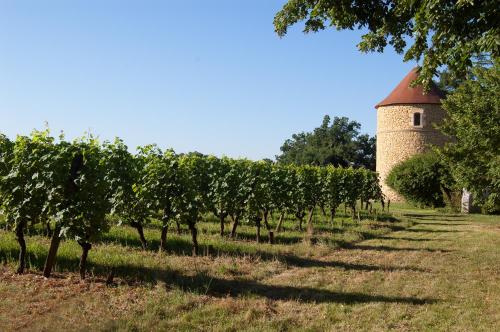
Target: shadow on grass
[(439, 224), (420, 230), (387, 248), (130, 238), (65, 263), (307, 262), (393, 228), (279, 238), (407, 239), (203, 283), (442, 217), (127, 236)]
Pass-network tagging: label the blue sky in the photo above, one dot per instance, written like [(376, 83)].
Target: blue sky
[(210, 76)]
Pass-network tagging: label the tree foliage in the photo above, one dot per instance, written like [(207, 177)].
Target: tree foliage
[(438, 32), (338, 143), (473, 120)]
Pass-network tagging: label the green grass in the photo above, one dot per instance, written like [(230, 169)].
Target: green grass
[(120, 249), (427, 271)]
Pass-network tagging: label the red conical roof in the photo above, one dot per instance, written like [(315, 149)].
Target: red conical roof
[(405, 94)]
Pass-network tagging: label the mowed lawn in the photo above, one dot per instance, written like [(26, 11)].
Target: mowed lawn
[(427, 271)]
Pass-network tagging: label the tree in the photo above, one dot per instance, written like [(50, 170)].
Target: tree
[(449, 82), (473, 120), (338, 143), (442, 32)]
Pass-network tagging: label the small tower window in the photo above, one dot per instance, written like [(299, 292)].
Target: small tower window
[(417, 119)]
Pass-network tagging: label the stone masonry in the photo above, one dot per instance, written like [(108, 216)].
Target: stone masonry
[(398, 139)]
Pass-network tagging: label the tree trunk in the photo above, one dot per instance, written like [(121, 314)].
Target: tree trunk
[(222, 217), (163, 238), (194, 233), (51, 256), (332, 216), (140, 229), (178, 227), (48, 230), (110, 277), (279, 227), (271, 237), (310, 229), (22, 247), (323, 210), (83, 259), (265, 215), (388, 204), (449, 196), (235, 225), (164, 229), (300, 217), (257, 223)]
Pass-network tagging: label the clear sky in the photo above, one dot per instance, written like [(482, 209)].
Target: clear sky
[(210, 76)]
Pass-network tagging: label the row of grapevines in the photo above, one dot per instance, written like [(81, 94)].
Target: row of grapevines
[(73, 186)]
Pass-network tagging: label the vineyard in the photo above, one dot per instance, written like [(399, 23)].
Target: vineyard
[(78, 190), (167, 241)]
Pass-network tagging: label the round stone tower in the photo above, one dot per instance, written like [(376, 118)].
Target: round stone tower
[(405, 126)]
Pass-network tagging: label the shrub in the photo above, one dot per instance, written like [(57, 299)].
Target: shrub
[(422, 180)]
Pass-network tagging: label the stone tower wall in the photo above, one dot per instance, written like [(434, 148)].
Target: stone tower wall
[(398, 139)]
